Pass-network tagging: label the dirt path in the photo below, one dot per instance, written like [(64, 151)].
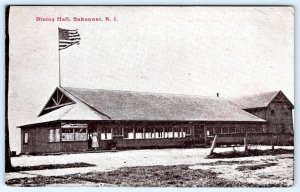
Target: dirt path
[(195, 158)]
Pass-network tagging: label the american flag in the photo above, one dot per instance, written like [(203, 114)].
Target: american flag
[(67, 38)]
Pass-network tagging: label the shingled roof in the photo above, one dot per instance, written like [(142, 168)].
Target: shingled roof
[(99, 104), (258, 100)]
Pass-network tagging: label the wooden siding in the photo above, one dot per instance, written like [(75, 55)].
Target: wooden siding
[(152, 143), (259, 112), (38, 136), (282, 117), (38, 141), (278, 114)]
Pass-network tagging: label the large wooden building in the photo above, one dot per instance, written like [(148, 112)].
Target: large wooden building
[(77, 120)]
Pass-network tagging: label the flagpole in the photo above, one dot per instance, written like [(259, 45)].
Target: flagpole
[(59, 68), (59, 77), (66, 38)]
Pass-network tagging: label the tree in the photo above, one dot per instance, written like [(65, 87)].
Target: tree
[(8, 165)]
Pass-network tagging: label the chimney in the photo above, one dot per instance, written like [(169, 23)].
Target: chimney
[(217, 94)]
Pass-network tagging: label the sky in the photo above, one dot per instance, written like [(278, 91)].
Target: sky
[(191, 50)]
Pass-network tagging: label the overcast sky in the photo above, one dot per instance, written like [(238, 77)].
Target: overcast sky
[(184, 50)]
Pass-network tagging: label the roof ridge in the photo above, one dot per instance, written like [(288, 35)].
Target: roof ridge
[(274, 97), (259, 100), (145, 92), (259, 94), (93, 108)]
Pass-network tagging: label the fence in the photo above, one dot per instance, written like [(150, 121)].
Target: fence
[(278, 139)]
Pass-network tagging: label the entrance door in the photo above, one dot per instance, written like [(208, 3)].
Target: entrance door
[(93, 141), (199, 133)]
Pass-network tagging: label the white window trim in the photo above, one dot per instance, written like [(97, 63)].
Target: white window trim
[(73, 133), (25, 141), (54, 135)]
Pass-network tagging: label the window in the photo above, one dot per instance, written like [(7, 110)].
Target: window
[(238, 129), (54, 135), (80, 134), (51, 135), (176, 131), (57, 135), (225, 130), (71, 134), (128, 133), (209, 132), (217, 130), (243, 130), (106, 134), (67, 134), (118, 131), (187, 130), (168, 132), (156, 132), (139, 134), (232, 130), (273, 112), (149, 133), (182, 133), (250, 129), (25, 138), (159, 133)]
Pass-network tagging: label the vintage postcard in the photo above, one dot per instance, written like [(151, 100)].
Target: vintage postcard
[(150, 96)]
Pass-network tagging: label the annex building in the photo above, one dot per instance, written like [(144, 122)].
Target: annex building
[(78, 120)]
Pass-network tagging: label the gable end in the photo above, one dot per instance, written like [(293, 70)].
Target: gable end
[(57, 100), (281, 98)]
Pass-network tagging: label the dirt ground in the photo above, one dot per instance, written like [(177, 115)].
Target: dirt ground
[(173, 167)]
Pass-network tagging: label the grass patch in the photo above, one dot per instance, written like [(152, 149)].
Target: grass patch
[(52, 166), (149, 176), (42, 181), (255, 167), (250, 153), (228, 162)]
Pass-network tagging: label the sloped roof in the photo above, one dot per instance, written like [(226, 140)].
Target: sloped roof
[(256, 101), (125, 105), (99, 104), (76, 111), (69, 112)]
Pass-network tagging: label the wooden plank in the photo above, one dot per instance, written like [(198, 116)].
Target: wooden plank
[(57, 106), (60, 99), (213, 145)]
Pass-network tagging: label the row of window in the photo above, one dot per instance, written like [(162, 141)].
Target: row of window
[(231, 130), (68, 135), (76, 134), (277, 128), (72, 134), (145, 133), (283, 113)]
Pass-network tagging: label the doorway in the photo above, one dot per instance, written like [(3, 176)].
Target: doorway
[(199, 133)]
